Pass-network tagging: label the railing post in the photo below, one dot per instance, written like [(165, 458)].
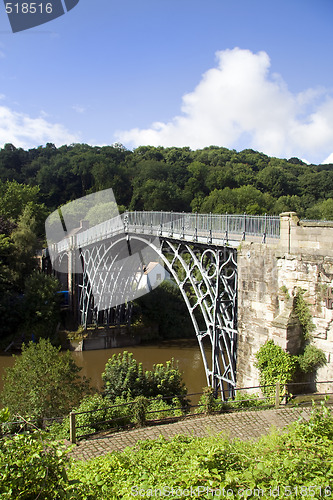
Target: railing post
[(210, 237), (161, 223), (265, 229), (196, 227), (277, 395), (72, 427), (244, 226)]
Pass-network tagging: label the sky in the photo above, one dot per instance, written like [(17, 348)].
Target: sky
[(234, 73)]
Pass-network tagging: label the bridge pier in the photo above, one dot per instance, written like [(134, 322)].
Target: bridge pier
[(268, 279)]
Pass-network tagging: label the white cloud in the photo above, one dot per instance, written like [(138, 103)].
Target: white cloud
[(329, 159), (78, 109), (26, 132), (241, 98)]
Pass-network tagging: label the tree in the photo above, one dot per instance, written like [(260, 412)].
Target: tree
[(43, 382), (41, 305), (155, 308), (125, 377)]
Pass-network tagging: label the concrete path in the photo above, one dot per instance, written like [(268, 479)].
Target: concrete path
[(243, 425)]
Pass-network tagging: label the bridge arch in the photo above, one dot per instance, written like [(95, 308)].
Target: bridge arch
[(206, 276)]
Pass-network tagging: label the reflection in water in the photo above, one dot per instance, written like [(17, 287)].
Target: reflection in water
[(186, 351)]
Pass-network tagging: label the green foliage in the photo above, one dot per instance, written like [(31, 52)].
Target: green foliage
[(208, 403), (155, 308), (32, 468), (284, 290), (41, 305), (95, 414), (295, 462), (139, 410), (275, 365), (311, 359), (246, 400), (299, 458), (303, 313), (43, 382), (124, 377), (165, 178), (159, 408)]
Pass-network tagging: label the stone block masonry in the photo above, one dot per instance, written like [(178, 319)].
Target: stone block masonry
[(268, 279)]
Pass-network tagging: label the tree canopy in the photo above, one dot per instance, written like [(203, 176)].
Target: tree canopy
[(158, 178)]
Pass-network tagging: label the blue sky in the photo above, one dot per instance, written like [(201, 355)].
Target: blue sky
[(235, 73)]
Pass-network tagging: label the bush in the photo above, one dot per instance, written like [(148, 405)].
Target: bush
[(43, 382), (311, 359), (275, 365), (208, 403), (31, 468), (95, 414), (244, 400), (159, 408), (124, 377)]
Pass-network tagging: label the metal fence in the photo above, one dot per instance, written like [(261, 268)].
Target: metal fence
[(221, 228), (217, 226), (246, 398)]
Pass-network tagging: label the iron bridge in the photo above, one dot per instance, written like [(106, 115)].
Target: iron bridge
[(200, 253)]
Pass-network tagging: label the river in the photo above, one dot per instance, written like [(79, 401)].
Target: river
[(186, 352)]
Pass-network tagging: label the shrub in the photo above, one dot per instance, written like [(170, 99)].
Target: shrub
[(244, 400), (303, 314), (124, 377), (207, 402), (139, 410), (311, 359), (275, 365), (43, 382), (31, 468), (95, 414), (163, 409)]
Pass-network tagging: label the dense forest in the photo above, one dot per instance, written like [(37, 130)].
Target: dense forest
[(213, 179), (33, 183)]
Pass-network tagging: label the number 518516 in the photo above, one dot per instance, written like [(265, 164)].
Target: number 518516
[(28, 8)]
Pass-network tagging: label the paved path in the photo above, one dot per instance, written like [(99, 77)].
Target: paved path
[(243, 425)]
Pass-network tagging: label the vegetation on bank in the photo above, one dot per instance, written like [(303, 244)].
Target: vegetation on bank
[(295, 464)]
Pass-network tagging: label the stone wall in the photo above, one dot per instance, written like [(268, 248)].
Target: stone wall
[(269, 276)]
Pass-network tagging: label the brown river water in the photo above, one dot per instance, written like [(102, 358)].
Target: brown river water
[(186, 352)]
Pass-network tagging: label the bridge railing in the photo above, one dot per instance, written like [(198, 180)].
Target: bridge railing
[(220, 226), (189, 225)]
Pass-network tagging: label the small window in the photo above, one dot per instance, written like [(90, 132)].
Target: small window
[(158, 277)]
